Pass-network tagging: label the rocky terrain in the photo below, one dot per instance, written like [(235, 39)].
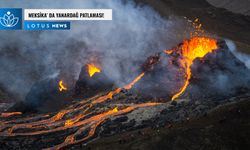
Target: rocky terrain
[(125, 111), (171, 125), (225, 127), (240, 6), (200, 123)]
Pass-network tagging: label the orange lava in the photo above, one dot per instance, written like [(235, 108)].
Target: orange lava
[(107, 97), (196, 47), (169, 51), (197, 26), (58, 116), (92, 69), (62, 87), (118, 90), (130, 85), (9, 114), (81, 116), (93, 122)]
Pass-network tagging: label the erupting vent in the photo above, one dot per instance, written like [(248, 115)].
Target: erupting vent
[(62, 87), (196, 47), (80, 121), (92, 69), (160, 72)]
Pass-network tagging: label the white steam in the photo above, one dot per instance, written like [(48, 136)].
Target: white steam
[(241, 56), (135, 33)]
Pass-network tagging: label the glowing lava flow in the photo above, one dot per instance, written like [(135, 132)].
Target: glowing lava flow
[(130, 85), (81, 116), (92, 69), (93, 122), (118, 90), (9, 114), (62, 87), (196, 47)]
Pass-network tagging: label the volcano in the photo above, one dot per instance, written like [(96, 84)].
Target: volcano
[(197, 68), (172, 85)]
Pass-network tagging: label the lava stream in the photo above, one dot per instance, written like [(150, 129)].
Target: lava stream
[(9, 114), (95, 121), (118, 90), (130, 85), (83, 118), (196, 47), (57, 119)]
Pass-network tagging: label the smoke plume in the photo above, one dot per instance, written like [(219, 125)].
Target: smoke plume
[(134, 33), (241, 56)]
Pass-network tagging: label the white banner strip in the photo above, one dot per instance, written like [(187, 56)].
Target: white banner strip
[(67, 14)]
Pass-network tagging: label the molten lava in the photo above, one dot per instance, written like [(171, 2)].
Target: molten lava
[(9, 114), (169, 51), (81, 120), (118, 90), (196, 47), (62, 87), (92, 69), (130, 85)]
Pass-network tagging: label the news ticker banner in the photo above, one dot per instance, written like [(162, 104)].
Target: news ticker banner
[(48, 19)]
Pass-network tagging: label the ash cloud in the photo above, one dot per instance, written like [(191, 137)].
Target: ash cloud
[(135, 33)]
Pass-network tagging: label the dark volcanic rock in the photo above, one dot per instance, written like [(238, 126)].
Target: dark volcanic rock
[(44, 96), (87, 86), (218, 74)]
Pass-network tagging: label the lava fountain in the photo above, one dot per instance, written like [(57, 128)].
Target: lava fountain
[(196, 47)]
